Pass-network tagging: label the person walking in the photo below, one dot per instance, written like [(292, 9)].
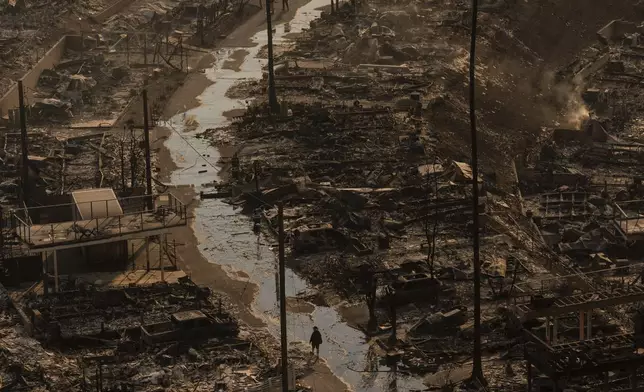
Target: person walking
[(316, 340)]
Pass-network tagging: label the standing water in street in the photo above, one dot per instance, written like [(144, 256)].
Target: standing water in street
[(224, 234)]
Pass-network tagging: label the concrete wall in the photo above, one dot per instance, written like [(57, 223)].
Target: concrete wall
[(615, 30), (30, 79)]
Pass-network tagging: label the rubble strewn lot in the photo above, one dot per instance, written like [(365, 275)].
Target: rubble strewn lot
[(369, 157), (85, 131), (131, 339), (30, 28)]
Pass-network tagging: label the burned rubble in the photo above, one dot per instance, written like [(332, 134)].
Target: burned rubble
[(92, 295), (170, 335), (368, 155)]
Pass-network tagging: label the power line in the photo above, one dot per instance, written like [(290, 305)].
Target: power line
[(192, 147)]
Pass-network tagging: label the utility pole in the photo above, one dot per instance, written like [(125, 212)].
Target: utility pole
[(272, 94), (148, 165), (145, 49), (24, 173), (282, 273), (133, 157), (123, 161), (477, 365), (256, 172), (393, 316)]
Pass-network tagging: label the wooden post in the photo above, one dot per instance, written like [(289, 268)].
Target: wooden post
[(56, 271), (145, 49), (256, 170), (201, 30), (393, 314), (174, 252), (581, 325), (132, 159), (148, 163), (556, 385), (123, 161), (282, 272), (548, 337), (45, 273), (162, 239), (529, 375), (23, 144), (147, 254), (181, 53)]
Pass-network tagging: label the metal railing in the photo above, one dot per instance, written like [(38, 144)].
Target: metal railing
[(132, 217), (627, 214), (630, 225)]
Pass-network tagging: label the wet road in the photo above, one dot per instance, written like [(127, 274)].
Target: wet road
[(226, 238)]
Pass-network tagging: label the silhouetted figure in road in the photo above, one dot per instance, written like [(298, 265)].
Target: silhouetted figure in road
[(285, 5), (316, 340)]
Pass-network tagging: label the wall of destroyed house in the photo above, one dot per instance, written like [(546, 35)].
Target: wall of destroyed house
[(30, 79)]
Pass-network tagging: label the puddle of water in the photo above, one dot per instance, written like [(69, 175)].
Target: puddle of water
[(226, 237)]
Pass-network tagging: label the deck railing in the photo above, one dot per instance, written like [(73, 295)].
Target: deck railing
[(133, 216)]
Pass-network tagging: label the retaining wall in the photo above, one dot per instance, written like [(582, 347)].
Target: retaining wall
[(30, 79)]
